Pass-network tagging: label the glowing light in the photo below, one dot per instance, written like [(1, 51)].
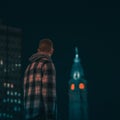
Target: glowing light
[(15, 93), (77, 56), (1, 62), (15, 101), (4, 100), (19, 101), (4, 84), (15, 108), (11, 93), (11, 101), (76, 75), (82, 86), (8, 92), (8, 85), (4, 114), (16, 65), (12, 85), (72, 87), (7, 115), (5, 70)]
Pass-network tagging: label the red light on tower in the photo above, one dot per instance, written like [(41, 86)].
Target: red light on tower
[(81, 86), (72, 87)]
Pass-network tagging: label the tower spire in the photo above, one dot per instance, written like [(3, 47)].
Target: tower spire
[(76, 50), (76, 59), (77, 91)]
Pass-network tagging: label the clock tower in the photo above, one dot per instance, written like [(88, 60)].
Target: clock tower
[(77, 91)]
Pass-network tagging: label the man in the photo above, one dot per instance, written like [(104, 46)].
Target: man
[(40, 84)]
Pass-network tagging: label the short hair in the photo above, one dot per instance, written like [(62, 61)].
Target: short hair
[(45, 45)]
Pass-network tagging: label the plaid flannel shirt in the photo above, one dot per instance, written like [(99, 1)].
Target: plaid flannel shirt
[(37, 100)]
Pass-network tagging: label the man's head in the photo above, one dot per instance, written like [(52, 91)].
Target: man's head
[(46, 46)]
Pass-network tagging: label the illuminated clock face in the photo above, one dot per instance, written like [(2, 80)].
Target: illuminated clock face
[(76, 75), (81, 86), (72, 86)]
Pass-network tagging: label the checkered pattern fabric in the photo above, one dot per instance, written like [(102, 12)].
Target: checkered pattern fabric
[(40, 89)]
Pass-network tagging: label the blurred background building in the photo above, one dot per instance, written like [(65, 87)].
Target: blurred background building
[(10, 73)]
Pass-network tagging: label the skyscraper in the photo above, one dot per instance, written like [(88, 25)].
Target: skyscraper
[(10, 73), (77, 91)]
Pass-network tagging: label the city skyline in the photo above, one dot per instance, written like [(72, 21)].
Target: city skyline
[(93, 29)]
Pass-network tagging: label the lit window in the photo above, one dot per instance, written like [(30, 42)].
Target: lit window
[(12, 85), (19, 101), (11, 93), (7, 115), (11, 100), (15, 108), (8, 85), (19, 65), (15, 101), (4, 100), (16, 65), (5, 70), (81, 86), (8, 92), (4, 114), (1, 62), (15, 93), (72, 87), (4, 84)]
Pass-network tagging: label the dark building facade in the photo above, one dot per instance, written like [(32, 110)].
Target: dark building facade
[(10, 73), (77, 91)]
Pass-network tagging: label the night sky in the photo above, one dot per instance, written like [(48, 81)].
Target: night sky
[(94, 28)]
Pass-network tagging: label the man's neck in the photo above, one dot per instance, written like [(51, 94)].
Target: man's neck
[(45, 53)]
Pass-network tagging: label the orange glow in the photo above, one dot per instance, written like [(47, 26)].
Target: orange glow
[(82, 86), (72, 87)]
